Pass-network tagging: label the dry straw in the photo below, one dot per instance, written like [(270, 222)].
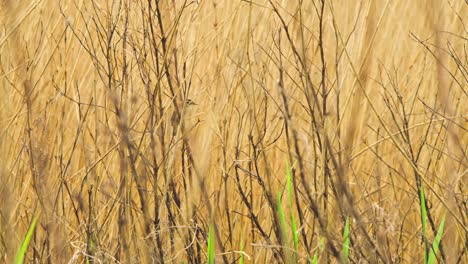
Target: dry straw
[(323, 131)]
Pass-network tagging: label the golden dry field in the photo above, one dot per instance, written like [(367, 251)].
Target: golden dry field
[(233, 131)]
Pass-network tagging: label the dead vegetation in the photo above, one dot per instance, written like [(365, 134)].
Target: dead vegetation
[(236, 131)]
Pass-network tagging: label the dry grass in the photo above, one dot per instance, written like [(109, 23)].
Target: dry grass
[(367, 100)]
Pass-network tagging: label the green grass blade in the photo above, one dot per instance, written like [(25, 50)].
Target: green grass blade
[(315, 259), (294, 233), (424, 221), (283, 227), (290, 196), (211, 245), (282, 217), (435, 246), (241, 259), (345, 252), (289, 185), (24, 247)]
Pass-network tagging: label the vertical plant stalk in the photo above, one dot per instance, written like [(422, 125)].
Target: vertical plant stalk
[(19, 259), (211, 245), (346, 243)]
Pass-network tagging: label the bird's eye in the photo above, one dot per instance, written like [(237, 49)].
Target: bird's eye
[(190, 102)]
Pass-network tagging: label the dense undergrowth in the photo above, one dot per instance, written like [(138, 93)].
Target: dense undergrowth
[(233, 131)]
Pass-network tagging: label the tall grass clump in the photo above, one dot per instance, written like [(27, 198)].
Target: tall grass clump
[(157, 131)]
